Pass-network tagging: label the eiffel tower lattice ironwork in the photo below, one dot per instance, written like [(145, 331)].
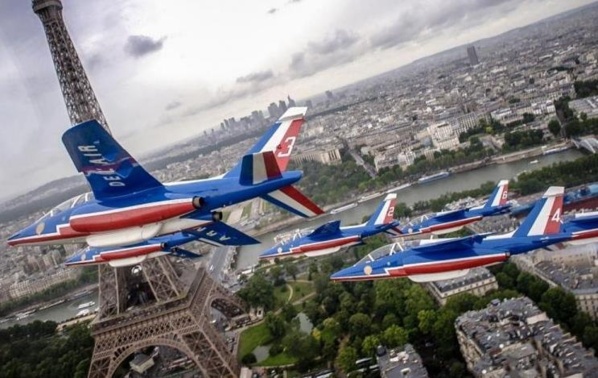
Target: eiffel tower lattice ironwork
[(180, 318), (80, 100)]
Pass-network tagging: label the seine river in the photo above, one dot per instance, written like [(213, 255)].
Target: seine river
[(248, 255)]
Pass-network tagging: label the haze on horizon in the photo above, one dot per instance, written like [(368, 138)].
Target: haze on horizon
[(165, 71)]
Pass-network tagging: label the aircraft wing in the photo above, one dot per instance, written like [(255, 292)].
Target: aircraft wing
[(110, 170), (217, 234), (448, 245), (448, 215), (584, 218), (220, 233), (330, 228)]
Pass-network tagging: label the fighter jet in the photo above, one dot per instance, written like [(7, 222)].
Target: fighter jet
[(216, 234), (583, 228), (440, 259), (449, 221), (129, 206), (330, 237)]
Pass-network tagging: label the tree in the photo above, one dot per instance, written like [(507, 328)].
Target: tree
[(559, 304), (554, 126), (402, 210), (461, 303), (288, 312), (360, 324), (426, 318), (291, 270), (249, 359), (258, 292), (346, 358), (369, 345), (275, 325), (528, 117), (504, 280), (573, 128), (394, 336), (590, 336), (277, 275)]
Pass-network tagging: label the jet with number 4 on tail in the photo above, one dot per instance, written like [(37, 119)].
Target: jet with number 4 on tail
[(449, 221), (330, 237), (128, 205), (441, 259)]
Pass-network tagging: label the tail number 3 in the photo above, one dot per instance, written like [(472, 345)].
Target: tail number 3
[(285, 148)]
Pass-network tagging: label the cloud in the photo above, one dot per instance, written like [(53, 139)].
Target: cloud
[(272, 10), (339, 47), (256, 77), (173, 105), (413, 22), (140, 45), (340, 40)]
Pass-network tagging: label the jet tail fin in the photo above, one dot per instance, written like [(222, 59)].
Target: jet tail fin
[(110, 170), (499, 196), (384, 213), (291, 199), (259, 167), (545, 216), (280, 139)]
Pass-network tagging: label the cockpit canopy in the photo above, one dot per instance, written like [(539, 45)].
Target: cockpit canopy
[(292, 235), (68, 204)]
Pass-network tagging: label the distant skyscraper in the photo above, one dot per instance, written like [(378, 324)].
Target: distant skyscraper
[(473, 56), (81, 102), (329, 95), (273, 110), (282, 106), (309, 104), (291, 101)]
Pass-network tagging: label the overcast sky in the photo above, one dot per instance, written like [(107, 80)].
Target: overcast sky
[(166, 70)]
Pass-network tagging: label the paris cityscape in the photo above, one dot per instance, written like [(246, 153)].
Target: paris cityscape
[(460, 188)]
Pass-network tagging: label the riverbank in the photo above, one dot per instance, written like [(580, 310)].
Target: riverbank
[(501, 159), (532, 152)]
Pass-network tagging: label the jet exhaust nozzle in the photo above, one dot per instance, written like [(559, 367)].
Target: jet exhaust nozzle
[(198, 202), (217, 216)]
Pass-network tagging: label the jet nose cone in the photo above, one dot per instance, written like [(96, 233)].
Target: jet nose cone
[(14, 238), (353, 272), (271, 253)]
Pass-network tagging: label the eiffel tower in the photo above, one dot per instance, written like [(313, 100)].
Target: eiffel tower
[(180, 318), (177, 314)]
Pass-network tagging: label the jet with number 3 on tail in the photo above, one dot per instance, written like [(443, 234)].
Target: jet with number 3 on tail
[(128, 205), (441, 259), (330, 237)]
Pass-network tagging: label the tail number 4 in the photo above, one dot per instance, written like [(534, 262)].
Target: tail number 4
[(556, 217), (286, 147)]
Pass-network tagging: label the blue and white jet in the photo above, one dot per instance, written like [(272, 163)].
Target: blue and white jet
[(441, 259), (330, 237), (129, 206), (216, 234), (449, 221)]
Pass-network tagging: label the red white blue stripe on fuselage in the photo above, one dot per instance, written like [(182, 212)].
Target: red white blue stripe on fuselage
[(63, 234), (369, 272), (118, 218), (313, 249), (442, 228)]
